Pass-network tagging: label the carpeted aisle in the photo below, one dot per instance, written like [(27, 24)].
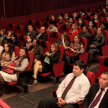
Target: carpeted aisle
[(30, 100)]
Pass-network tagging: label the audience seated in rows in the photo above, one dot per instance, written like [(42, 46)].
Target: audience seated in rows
[(30, 31), (63, 40), (21, 64), (52, 27), (51, 56), (72, 89)]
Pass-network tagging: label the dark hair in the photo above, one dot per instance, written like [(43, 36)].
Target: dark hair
[(26, 56), (85, 27), (61, 15), (31, 38), (51, 22), (104, 72), (82, 10), (81, 20), (30, 25), (79, 37), (10, 49), (80, 63), (65, 36), (14, 35)]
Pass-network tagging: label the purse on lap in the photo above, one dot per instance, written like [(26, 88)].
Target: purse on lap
[(10, 71)]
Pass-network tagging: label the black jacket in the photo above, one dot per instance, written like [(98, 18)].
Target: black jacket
[(91, 95)]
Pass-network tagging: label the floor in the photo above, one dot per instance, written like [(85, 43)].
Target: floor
[(13, 91)]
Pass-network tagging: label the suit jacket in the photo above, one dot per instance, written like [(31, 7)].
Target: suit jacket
[(43, 37), (32, 33), (91, 95)]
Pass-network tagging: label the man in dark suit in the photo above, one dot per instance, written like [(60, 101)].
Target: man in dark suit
[(30, 31), (97, 96), (41, 35)]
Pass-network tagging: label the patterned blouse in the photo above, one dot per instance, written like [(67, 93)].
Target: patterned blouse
[(78, 48)]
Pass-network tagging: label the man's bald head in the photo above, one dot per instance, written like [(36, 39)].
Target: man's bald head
[(42, 30)]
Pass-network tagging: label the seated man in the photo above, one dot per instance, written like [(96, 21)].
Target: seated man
[(30, 31), (52, 27), (97, 96), (72, 89), (85, 33), (41, 35)]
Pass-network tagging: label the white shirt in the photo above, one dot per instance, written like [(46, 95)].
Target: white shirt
[(103, 93), (78, 90)]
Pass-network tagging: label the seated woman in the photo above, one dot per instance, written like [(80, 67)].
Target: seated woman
[(36, 49), (21, 65), (103, 11), (75, 48), (91, 25), (53, 19), (29, 42), (7, 54), (61, 19), (49, 57), (15, 41), (80, 22), (73, 30), (7, 38), (63, 40), (95, 44), (96, 19), (2, 34)]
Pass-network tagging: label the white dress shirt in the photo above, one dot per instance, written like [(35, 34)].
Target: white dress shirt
[(103, 93), (78, 90)]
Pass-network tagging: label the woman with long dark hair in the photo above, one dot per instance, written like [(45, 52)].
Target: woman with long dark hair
[(21, 62)]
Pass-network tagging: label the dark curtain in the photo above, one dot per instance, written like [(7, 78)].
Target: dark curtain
[(15, 8)]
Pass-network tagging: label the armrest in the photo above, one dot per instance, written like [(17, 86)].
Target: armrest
[(58, 68), (79, 102), (105, 50), (29, 70)]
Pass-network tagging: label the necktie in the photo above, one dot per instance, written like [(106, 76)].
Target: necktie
[(94, 103), (68, 88)]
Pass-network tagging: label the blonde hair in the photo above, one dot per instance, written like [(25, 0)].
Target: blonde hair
[(75, 25), (56, 47)]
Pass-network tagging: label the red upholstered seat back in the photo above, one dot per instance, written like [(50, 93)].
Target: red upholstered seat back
[(91, 76), (61, 51), (91, 31), (84, 42), (16, 50), (31, 58)]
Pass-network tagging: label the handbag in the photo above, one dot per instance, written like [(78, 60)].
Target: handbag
[(10, 71)]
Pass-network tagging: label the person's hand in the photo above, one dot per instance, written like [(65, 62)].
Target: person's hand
[(35, 60), (47, 53), (59, 101), (67, 47), (72, 49)]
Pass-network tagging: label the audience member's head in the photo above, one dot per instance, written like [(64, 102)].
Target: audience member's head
[(104, 10), (30, 28), (60, 17), (70, 20), (34, 43), (53, 48), (77, 38), (64, 36), (2, 32), (91, 24), (13, 36), (51, 24), (82, 12), (42, 30), (74, 26), (99, 31), (29, 39), (102, 26), (78, 67), (84, 29), (80, 21), (103, 79), (74, 15), (8, 48), (96, 16), (106, 6), (9, 34), (52, 17), (65, 15)]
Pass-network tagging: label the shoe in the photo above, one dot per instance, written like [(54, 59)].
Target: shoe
[(34, 81)]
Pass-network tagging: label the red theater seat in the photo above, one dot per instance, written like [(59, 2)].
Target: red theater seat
[(65, 28), (12, 27)]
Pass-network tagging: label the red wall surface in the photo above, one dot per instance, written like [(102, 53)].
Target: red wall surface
[(39, 16)]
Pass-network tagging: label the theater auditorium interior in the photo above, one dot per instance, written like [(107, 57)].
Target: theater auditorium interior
[(53, 53)]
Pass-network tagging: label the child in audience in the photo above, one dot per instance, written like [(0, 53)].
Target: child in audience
[(21, 64), (51, 56)]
